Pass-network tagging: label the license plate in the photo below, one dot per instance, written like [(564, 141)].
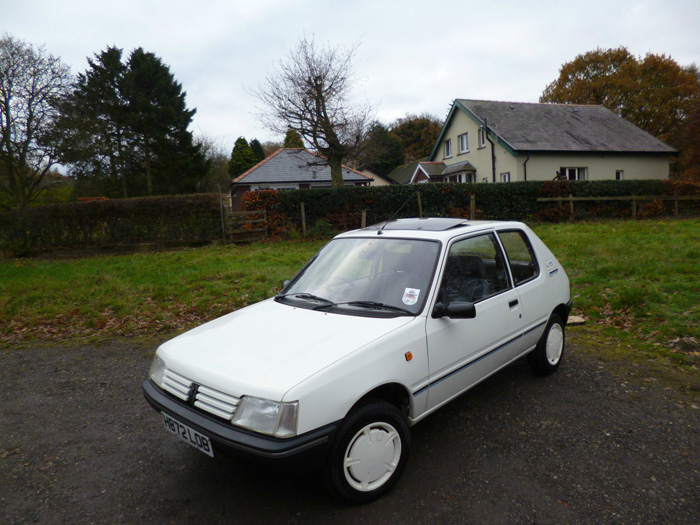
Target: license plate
[(188, 435)]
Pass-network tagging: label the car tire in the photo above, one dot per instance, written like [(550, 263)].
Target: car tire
[(548, 353), (369, 453)]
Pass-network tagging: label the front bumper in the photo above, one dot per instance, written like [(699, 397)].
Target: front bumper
[(239, 441)]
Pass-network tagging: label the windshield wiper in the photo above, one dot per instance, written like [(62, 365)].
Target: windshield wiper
[(374, 304), (304, 295)]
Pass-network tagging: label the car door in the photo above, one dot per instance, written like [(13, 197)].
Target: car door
[(462, 352), (527, 276)]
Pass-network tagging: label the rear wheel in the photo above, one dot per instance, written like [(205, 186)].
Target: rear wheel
[(369, 453), (545, 358)]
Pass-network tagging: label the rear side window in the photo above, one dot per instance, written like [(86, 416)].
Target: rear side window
[(523, 264)]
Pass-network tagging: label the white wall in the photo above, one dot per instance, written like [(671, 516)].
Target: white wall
[(600, 166)]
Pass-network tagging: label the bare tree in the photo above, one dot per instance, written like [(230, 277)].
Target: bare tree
[(270, 146), (310, 93), (216, 178), (31, 84)]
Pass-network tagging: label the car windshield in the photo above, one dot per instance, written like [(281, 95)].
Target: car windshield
[(379, 275)]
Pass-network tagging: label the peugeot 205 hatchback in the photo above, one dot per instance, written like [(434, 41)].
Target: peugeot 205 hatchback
[(382, 327)]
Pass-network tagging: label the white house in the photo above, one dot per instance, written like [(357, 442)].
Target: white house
[(484, 141)]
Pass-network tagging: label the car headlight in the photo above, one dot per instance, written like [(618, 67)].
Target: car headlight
[(267, 417), (157, 371)]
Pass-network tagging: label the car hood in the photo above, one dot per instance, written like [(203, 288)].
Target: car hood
[(267, 348)]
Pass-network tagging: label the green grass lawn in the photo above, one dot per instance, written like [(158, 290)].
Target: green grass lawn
[(636, 282)]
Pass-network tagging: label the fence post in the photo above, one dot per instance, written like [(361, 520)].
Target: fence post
[(472, 206), (420, 206), (571, 206), (634, 207), (675, 205), (221, 212), (303, 220)]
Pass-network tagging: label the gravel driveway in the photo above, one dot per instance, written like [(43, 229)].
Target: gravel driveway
[(78, 443)]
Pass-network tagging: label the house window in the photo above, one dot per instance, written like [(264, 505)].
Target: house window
[(482, 138), (505, 177), (574, 173), (448, 148), (620, 175), (464, 143)]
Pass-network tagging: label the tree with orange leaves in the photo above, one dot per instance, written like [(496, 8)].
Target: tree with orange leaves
[(653, 92)]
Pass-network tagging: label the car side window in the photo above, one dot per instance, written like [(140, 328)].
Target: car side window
[(523, 264), (474, 270)]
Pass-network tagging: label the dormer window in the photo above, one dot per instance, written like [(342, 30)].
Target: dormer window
[(448, 148)]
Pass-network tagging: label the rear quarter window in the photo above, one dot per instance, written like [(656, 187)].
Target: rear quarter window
[(521, 256)]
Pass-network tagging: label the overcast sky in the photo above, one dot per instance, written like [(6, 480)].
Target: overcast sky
[(414, 56)]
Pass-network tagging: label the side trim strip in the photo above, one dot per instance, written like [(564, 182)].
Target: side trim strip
[(476, 360)]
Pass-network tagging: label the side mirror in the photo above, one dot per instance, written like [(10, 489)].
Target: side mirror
[(454, 311), (285, 283)]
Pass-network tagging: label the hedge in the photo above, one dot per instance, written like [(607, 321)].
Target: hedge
[(197, 218), (511, 201), (173, 218)]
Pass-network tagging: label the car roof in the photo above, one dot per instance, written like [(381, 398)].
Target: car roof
[(441, 228)]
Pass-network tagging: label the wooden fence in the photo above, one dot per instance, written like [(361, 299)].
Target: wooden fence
[(361, 216), (241, 226), (633, 199)]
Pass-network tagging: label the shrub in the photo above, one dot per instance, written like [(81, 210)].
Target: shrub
[(268, 200), (321, 230), (173, 218)]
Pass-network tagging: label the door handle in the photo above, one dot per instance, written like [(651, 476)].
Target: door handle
[(513, 303)]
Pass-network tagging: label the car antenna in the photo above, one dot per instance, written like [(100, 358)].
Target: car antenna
[(396, 212)]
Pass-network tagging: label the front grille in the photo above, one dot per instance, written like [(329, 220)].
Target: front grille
[(215, 402), (207, 399), (177, 385)]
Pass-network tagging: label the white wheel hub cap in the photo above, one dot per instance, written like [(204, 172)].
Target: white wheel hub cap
[(555, 343), (372, 456)]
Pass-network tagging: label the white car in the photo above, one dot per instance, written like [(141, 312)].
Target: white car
[(383, 326)]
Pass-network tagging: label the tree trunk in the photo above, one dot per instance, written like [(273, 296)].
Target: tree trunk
[(147, 152), (335, 162)]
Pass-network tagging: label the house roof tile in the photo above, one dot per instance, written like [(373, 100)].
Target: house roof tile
[(432, 168), (562, 127), (404, 174), (297, 166)]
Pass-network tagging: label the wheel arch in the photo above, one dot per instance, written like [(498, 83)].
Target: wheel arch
[(562, 311), (393, 393)]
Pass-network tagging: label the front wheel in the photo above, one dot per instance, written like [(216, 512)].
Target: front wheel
[(545, 358), (369, 453)]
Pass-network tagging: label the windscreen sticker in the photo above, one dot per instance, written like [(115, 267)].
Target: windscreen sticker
[(410, 296)]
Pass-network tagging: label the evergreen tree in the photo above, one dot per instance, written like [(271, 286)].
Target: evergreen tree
[(242, 158), (257, 149), (383, 151), (95, 129), (292, 140), (159, 121), (125, 128)]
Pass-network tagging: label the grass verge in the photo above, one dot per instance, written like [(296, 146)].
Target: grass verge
[(636, 282)]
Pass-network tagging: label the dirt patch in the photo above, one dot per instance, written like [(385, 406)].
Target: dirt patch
[(78, 443)]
